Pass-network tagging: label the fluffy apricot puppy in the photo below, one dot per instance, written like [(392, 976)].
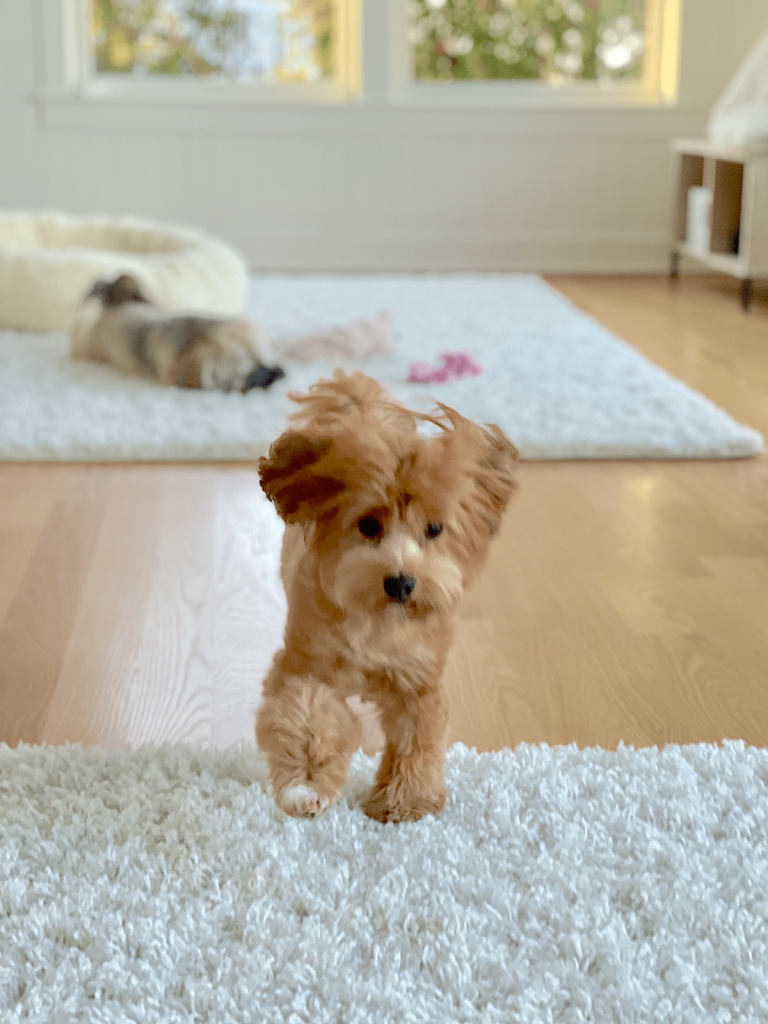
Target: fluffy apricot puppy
[(386, 527)]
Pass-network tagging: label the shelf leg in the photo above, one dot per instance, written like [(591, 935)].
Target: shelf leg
[(745, 293), (674, 265)]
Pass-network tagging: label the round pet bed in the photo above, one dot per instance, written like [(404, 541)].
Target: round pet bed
[(49, 261)]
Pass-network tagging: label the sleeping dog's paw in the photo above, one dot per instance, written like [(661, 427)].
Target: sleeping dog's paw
[(230, 371), (262, 377), (232, 358)]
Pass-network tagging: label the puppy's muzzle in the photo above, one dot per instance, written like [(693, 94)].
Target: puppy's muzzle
[(399, 588)]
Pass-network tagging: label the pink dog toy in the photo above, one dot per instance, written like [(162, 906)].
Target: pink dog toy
[(455, 366)]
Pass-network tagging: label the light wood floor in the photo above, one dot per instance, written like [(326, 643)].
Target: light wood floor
[(623, 601)]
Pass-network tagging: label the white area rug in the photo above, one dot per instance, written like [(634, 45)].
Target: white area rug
[(559, 384), (558, 885)]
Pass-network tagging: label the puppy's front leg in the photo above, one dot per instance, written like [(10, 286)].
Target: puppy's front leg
[(409, 782), (308, 734)]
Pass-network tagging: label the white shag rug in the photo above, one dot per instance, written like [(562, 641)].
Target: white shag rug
[(557, 382), (557, 886)]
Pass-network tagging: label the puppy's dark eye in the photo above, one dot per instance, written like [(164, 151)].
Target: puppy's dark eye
[(434, 530), (369, 526)]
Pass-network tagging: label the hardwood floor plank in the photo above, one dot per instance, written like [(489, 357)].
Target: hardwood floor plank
[(480, 678), (101, 691), (176, 654), (238, 616), (36, 630), (25, 510)]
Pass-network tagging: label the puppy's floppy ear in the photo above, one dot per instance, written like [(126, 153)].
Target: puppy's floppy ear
[(495, 475), (488, 458), (298, 476)]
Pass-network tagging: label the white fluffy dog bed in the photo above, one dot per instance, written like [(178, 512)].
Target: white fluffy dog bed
[(49, 260)]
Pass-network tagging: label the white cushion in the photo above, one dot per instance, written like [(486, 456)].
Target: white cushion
[(740, 116), (49, 261)]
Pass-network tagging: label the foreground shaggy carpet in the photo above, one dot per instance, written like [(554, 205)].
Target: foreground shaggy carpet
[(558, 885), (557, 382)]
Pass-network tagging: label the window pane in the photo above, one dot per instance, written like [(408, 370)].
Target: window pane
[(245, 40), (555, 40)]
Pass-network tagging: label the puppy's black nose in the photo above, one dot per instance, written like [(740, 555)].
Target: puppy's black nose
[(399, 588)]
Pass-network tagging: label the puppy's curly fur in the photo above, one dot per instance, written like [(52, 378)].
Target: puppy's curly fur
[(386, 527)]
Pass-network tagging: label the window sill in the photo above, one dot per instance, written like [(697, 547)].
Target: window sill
[(523, 95), (206, 92), (316, 110)]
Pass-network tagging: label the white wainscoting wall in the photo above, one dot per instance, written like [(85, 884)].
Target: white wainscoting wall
[(373, 184)]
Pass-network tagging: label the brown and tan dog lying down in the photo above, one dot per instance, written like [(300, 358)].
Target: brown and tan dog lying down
[(117, 324)]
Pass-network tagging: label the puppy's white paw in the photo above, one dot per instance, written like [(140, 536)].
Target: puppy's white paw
[(302, 801)]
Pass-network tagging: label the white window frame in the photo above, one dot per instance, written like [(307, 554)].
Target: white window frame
[(68, 63), (375, 63), (658, 85)]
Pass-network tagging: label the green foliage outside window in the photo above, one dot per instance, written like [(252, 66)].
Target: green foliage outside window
[(558, 41), (281, 40), (555, 40)]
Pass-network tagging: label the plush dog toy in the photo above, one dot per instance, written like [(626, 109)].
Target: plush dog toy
[(117, 324), (386, 527)]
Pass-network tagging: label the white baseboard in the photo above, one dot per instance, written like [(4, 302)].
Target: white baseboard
[(588, 253)]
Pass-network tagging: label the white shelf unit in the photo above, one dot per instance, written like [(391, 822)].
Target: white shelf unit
[(738, 231)]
